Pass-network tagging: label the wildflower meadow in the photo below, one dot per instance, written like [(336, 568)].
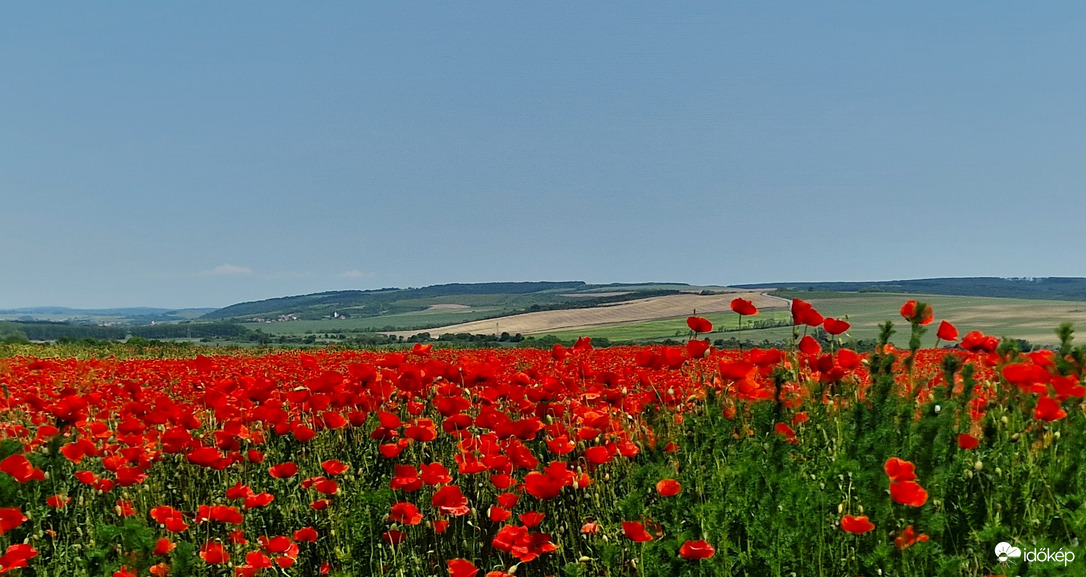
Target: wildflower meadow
[(808, 459)]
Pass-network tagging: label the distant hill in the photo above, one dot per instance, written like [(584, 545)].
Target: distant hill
[(390, 301), (1044, 288), (121, 315)]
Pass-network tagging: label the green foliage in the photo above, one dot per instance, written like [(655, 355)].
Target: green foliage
[(132, 535)]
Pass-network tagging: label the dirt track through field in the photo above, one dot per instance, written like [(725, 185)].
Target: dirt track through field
[(662, 307)]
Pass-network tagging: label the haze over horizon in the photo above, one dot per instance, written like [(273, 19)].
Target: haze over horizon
[(201, 155)]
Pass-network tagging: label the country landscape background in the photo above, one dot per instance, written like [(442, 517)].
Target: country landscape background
[(540, 314), (560, 288)]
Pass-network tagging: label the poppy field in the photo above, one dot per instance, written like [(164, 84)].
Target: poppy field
[(812, 459)]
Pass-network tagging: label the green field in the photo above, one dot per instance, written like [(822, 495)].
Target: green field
[(724, 326), (433, 318), (1031, 320)]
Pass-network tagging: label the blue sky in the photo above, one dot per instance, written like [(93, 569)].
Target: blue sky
[(201, 154)]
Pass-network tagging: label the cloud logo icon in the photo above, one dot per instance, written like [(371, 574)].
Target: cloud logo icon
[(1006, 551)]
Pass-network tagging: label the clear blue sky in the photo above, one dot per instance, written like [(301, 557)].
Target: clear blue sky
[(201, 154)]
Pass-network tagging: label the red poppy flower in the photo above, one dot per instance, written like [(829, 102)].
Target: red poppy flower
[(75, 452), (390, 450), (10, 518), (306, 535), (696, 550), (163, 547), (908, 493), (786, 432), (123, 572), (590, 528), (283, 470), (169, 517), (856, 525), (1048, 410), (276, 544), (19, 467), (967, 441), (406, 513), (204, 456), (635, 531), (16, 556), (542, 485), (406, 479), (521, 543), (744, 307), (239, 491), (975, 341), (422, 430), (809, 346), (85, 477), (498, 514), (508, 500), (696, 348), (435, 474), (214, 553), (259, 500), (58, 501), (394, 537), (947, 332), (668, 487), (1067, 387), (124, 508), (334, 467), (461, 568), (899, 469), (699, 324), (805, 314), (834, 326), (128, 476), (598, 455), (326, 486), (258, 560), (531, 518), (920, 313), (450, 501), (908, 538), (220, 513)]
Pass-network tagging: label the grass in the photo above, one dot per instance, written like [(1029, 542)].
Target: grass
[(1031, 320), (1026, 319), (724, 326)]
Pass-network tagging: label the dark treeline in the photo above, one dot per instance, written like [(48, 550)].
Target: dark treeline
[(1051, 288), (47, 331)]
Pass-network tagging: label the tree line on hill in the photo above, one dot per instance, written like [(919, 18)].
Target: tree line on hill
[(51, 331)]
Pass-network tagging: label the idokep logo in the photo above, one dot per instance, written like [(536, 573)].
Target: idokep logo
[(1005, 552)]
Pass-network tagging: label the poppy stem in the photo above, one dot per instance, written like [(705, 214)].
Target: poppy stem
[(739, 338)]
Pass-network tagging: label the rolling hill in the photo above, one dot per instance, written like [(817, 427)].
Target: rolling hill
[(496, 298), (1044, 288)]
